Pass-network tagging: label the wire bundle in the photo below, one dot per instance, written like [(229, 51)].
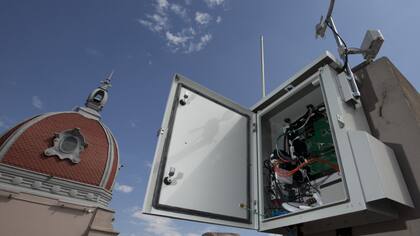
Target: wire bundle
[(285, 173)]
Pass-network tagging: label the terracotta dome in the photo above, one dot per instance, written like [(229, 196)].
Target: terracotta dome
[(24, 147), (72, 153)]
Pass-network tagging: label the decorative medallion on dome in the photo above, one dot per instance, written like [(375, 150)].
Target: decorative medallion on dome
[(68, 145)]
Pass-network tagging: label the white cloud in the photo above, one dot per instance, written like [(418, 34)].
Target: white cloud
[(155, 22), (37, 103), (202, 18), (162, 5), (179, 10), (132, 209), (176, 39), (204, 40), (158, 226), (123, 188), (146, 23), (187, 41), (214, 3), (190, 35)]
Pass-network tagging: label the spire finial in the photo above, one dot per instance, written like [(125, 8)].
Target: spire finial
[(105, 84), (98, 97)]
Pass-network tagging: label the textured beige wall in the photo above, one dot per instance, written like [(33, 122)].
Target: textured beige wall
[(23, 214), (392, 106)]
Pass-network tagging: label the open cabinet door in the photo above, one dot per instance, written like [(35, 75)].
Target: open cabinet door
[(202, 167)]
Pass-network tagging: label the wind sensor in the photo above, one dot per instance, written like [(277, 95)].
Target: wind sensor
[(369, 49)]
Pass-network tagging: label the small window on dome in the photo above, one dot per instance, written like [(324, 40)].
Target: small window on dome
[(67, 144), (99, 96)]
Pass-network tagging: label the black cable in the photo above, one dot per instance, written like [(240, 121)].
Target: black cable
[(346, 60), (266, 165), (280, 190)]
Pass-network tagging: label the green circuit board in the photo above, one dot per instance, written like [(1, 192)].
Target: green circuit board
[(319, 143)]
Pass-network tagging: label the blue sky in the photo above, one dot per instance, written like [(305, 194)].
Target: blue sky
[(53, 53)]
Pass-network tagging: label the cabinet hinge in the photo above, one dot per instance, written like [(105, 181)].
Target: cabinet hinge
[(254, 127), (253, 209), (160, 132)]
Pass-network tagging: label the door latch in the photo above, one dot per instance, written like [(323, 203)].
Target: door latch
[(183, 101), (169, 179)]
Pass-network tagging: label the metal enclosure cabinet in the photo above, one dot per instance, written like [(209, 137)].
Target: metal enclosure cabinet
[(211, 153)]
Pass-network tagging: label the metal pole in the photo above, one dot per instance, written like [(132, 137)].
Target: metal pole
[(340, 44), (262, 65)]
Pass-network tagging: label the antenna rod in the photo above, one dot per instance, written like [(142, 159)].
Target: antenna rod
[(262, 65)]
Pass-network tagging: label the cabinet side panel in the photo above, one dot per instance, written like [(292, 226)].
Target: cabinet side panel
[(379, 172)]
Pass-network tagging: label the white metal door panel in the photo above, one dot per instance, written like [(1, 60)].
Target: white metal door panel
[(207, 147)]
